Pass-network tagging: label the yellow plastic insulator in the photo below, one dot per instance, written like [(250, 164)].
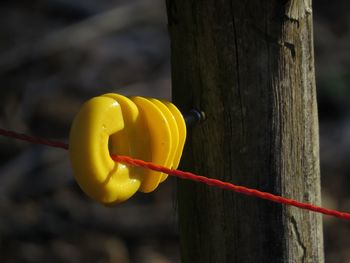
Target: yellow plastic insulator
[(141, 128), (174, 133), (182, 132), (96, 173), (133, 140), (159, 137)]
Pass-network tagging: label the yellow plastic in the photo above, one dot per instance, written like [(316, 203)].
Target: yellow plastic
[(146, 129), (97, 174), (174, 134), (160, 140), (182, 132)]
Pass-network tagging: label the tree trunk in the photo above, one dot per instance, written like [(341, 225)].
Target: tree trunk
[(249, 66)]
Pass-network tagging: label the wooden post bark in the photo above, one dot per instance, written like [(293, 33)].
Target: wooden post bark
[(249, 66)]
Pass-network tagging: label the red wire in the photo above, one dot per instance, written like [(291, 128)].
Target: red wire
[(32, 139), (189, 176), (229, 186)]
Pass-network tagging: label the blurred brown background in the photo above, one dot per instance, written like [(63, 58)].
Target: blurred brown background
[(54, 55)]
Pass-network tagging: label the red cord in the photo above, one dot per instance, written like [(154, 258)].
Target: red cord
[(32, 139), (190, 176)]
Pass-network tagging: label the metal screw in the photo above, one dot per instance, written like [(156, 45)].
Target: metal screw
[(193, 117)]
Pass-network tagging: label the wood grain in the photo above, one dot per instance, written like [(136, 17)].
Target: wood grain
[(249, 66)]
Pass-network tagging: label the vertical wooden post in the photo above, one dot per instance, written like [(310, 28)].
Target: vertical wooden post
[(249, 66)]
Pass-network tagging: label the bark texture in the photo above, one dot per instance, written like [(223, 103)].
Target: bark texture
[(249, 66)]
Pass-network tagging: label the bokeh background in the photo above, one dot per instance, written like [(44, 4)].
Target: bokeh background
[(54, 55)]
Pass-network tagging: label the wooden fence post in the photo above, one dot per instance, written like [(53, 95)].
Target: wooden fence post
[(249, 66)]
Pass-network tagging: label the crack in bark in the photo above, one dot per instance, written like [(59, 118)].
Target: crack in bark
[(274, 40), (296, 233), (238, 68), (289, 46)]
